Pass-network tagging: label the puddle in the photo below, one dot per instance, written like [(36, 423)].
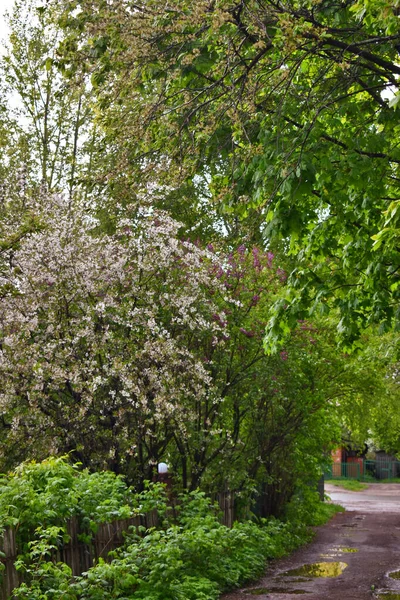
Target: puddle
[(273, 590), (337, 551), (395, 575), (388, 596), (322, 569), (352, 532)]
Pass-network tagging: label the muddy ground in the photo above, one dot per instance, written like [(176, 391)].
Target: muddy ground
[(361, 547)]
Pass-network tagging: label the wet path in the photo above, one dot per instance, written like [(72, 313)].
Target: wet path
[(360, 546), (378, 497)]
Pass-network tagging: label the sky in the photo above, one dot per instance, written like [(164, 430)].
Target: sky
[(4, 6)]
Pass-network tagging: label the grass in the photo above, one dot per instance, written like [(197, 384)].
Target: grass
[(348, 484), (326, 512)]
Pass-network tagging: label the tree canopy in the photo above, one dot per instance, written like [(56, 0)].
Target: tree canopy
[(287, 109)]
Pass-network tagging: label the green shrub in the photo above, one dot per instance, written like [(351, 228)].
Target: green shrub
[(189, 557), (306, 509), (196, 558), (53, 491)]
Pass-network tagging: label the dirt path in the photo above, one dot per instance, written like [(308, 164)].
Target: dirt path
[(364, 543), (378, 497)]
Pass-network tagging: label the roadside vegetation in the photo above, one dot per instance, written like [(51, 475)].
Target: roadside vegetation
[(348, 484), (189, 555), (355, 485), (161, 299), (394, 480)]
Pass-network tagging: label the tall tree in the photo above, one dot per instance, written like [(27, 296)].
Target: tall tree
[(286, 108), (50, 131)]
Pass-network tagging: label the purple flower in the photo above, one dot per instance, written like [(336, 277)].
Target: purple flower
[(255, 299), (281, 274), (248, 334), (256, 259)]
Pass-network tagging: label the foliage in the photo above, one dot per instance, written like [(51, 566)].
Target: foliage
[(386, 425), (202, 555), (113, 313), (324, 512), (194, 557), (127, 337), (306, 508), (287, 109), (351, 485), (38, 499), (40, 571), (136, 346)]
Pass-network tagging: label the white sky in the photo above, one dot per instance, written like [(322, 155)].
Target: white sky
[(4, 6)]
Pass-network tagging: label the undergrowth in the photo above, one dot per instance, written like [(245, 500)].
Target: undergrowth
[(348, 484), (189, 556)]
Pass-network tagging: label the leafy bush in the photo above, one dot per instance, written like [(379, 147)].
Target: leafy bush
[(190, 556), (38, 496), (306, 508), (193, 559)]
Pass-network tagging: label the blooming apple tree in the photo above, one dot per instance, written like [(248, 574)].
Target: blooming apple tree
[(94, 355)]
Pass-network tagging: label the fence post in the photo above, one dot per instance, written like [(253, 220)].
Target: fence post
[(321, 488), (10, 576), (226, 501)]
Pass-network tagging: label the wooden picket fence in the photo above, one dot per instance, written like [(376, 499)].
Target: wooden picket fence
[(76, 554), (10, 576), (226, 502), (79, 556)]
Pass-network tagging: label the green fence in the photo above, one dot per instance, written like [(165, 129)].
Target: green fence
[(344, 471), (378, 469), (366, 470)]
